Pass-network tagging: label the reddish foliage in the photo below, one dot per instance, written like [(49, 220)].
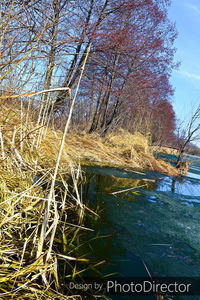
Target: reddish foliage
[(132, 57)]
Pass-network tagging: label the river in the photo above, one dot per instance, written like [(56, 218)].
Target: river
[(154, 224)]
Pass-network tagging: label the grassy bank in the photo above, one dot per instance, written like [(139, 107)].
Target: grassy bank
[(165, 150), (122, 149), (40, 222), (36, 220)]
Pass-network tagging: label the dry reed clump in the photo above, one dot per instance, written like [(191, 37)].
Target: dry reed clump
[(121, 150), (24, 274), (87, 149), (127, 141), (28, 260)]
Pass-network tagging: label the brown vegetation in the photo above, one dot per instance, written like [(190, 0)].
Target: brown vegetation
[(26, 249), (121, 149), (45, 51), (166, 150)]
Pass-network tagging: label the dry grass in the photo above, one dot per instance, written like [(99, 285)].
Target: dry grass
[(29, 255), (119, 150), (24, 189), (165, 150)]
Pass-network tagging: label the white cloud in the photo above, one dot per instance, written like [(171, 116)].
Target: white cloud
[(193, 7), (190, 75)]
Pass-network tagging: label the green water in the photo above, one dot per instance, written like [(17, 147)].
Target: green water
[(158, 223)]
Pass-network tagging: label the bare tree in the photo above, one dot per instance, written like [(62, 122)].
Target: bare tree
[(190, 134)]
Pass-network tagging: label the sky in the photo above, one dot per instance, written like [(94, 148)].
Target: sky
[(186, 80)]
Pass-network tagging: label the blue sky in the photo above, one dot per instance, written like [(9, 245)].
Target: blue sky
[(186, 80)]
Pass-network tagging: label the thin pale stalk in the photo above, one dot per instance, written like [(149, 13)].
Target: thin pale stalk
[(21, 127), (2, 145), (13, 137), (46, 217)]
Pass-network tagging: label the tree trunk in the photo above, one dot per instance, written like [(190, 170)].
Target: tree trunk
[(75, 68)]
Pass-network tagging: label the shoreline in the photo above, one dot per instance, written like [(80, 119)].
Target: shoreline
[(26, 176), (120, 150), (165, 150)]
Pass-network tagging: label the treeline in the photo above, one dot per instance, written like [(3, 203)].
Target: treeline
[(126, 78)]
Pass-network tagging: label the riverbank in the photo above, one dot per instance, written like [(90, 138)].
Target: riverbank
[(123, 150), (40, 225), (165, 150)]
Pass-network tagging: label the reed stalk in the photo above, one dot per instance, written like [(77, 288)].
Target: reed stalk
[(51, 193)]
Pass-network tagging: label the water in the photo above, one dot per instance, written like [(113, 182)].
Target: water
[(157, 223)]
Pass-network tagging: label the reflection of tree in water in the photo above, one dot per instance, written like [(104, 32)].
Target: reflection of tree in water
[(173, 185), (174, 180), (110, 184), (105, 241), (100, 243), (151, 224)]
